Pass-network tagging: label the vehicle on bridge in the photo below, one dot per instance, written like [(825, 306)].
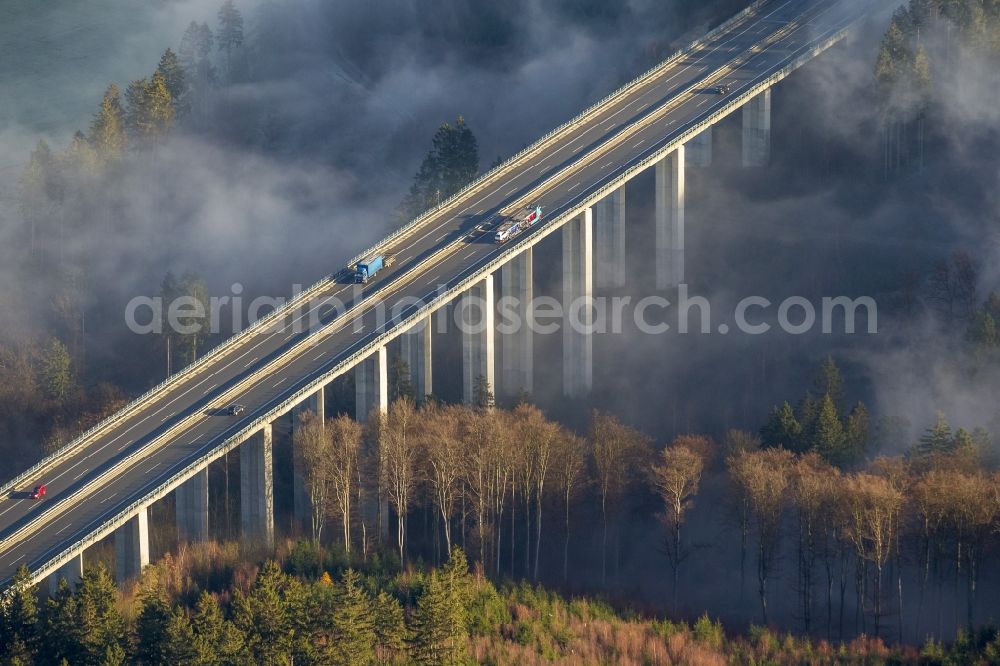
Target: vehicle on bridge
[(512, 227), (723, 89), (235, 409), (38, 492), (366, 270)]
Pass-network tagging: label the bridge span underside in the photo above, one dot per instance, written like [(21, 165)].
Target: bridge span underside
[(104, 482)]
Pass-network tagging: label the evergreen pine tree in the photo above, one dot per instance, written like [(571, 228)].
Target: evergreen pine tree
[(438, 624), (353, 632), (216, 640), (482, 394), (173, 77), (858, 432), (179, 644), (57, 371), (827, 436), (230, 35), (782, 429), (101, 627), (59, 627), (390, 629), (107, 131), (19, 636), (937, 439), (151, 644)]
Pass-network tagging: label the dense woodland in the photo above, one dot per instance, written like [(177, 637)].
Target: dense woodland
[(874, 549)]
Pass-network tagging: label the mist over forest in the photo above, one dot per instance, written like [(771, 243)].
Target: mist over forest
[(301, 141)]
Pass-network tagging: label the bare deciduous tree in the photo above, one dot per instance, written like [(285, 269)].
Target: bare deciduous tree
[(399, 451), (676, 480), (314, 447), (345, 438), (763, 478)]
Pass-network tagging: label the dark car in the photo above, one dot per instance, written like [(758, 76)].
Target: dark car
[(723, 89), (235, 409), (38, 492)]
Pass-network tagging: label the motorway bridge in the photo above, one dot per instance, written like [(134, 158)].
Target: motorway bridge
[(104, 481)]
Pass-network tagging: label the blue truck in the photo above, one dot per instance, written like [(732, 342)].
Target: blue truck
[(366, 270)]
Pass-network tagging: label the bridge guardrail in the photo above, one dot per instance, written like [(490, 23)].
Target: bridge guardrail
[(123, 516)]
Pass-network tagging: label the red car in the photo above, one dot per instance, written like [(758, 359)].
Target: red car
[(38, 492)]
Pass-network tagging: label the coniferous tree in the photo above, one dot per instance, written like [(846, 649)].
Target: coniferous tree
[(151, 110), (107, 131), (827, 436), (19, 638), (389, 626), (451, 164), (216, 640), (57, 371), (353, 632), (60, 628), (101, 626), (230, 34), (782, 429), (173, 77), (151, 628), (399, 380), (438, 624), (179, 647), (262, 616)]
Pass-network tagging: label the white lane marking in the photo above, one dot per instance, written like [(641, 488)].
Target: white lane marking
[(320, 356), (573, 188), (281, 381), (639, 144), (81, 474), (440, 238), (68, 525), (108, 498), (17, 560), (151, 468)]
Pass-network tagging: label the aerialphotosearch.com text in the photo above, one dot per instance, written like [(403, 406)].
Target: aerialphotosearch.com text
[(544, 315)]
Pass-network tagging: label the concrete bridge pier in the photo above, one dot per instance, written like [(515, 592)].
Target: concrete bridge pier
[(132, 547), (670, 220), (72, 571), (699, 149), (415, 348), (518, 368), (371, 392), (192, 508), (609, 241), (578, 301), (257, 488), (757, 130), (478, 336), (371, 385), (301, 506)]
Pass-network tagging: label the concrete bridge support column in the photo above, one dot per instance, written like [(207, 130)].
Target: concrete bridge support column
[(670, 220), (478, 335), (257, 488), (192, 508), (72, 571), (302, 508), (757, 130), (518, 370), (578, 301), (132, 547), (609, 241), (415, 349), (371, 384), (699, 149)]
